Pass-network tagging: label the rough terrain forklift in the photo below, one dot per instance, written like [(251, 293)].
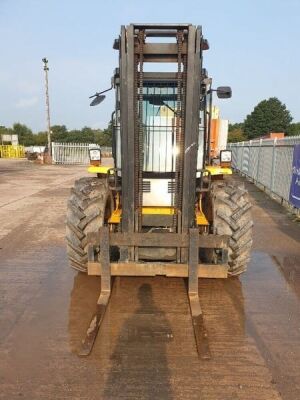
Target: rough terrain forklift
[(164, 206)]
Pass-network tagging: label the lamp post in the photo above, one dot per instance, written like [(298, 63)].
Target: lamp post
[(46, 69)]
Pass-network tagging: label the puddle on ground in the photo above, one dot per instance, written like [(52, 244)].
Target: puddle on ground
[(146, 346)]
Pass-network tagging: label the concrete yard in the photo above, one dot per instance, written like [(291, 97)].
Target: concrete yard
[(146, 348)]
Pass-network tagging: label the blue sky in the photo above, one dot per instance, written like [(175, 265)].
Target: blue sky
[(254, 48)]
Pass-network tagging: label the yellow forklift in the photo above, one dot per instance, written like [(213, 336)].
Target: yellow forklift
[(163, 206)]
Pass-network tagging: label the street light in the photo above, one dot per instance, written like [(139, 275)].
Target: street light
[(46, 69)]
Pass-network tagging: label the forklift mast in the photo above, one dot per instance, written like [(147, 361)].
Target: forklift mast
[(159, 120), (160, 177)]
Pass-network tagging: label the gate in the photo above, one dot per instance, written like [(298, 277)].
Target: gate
[(74, 153), (70, 153)]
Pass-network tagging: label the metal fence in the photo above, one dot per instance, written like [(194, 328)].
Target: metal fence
[(74, 153), (268, 162)]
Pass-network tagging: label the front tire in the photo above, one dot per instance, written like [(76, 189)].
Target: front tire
[(89, 207), (232, 216)]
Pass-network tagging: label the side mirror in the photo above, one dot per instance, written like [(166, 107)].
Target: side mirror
[(99, 96), (204, 44), (224, 92), (97, 100)]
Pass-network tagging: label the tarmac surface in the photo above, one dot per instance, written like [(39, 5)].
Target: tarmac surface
[(146, 348)]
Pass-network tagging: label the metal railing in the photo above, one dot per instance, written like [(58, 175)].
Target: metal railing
[(74, 153), (12, 151), (268, 162)]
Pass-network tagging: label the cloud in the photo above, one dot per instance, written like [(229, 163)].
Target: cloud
[(27, 87), (26, 102)]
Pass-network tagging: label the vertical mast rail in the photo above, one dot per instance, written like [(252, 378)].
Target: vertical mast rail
[(130, 102)]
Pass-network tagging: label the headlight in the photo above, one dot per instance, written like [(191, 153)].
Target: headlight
[(95, 154), (225, 156)]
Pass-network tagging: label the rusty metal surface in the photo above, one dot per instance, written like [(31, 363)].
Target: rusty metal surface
[(147, 349), (200, 332), (105, 291), (161, 239), (155, 268), (94, 326)]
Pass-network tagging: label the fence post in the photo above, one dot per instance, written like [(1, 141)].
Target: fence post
[(242, 158), (250, 159), (52, 152), (258, 161), (273, 164)]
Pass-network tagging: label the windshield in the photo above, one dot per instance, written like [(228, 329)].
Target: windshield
[(159, 121)]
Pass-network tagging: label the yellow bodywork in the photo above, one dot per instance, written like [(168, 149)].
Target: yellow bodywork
[(158, 210), (218, 170), (101, 169), (213, 169), (115, 217), (201, 219), (199, 214)]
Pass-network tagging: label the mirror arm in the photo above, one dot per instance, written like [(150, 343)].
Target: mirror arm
[(210, 92), (98, 93)]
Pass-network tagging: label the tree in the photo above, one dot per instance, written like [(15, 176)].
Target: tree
[(268, 116), (238, 125), (107, 135), (236, 135), (75, 136), (41, 139), (59, 133), (87, 135), (25, 135), (294, 129)]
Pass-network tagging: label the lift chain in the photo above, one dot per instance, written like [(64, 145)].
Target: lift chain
[(141, 129), (138, 142), (182, 130), (136, 127), (179, 155)]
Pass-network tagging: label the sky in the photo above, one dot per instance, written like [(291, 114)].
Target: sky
[(254, 48)]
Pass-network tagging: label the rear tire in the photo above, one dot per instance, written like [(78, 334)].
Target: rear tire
[(89, 207), (232, 216)]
